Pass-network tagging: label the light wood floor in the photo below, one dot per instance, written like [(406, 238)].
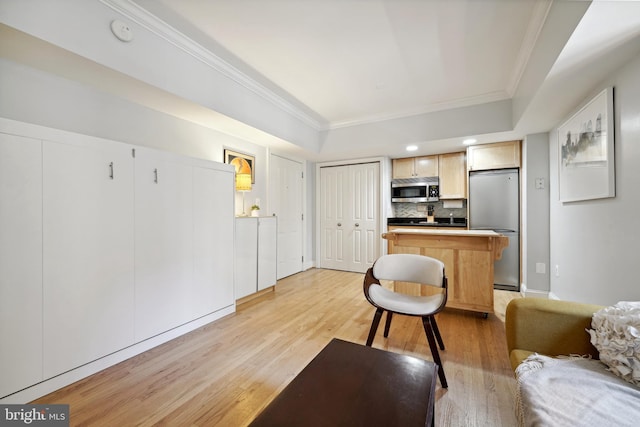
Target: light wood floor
[(226, 372)]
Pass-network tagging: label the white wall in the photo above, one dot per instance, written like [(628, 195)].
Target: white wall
[(596, 243), (35, 96), (535, 213)]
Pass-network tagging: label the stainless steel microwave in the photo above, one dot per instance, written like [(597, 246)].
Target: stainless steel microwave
[(414, 192)]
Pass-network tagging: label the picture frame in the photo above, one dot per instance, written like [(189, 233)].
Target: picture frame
[(229, 155), (586, 161)]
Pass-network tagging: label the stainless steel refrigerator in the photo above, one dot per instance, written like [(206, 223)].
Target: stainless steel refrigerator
[(494, 204)]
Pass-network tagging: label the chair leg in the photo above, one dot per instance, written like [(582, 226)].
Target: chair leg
[(436, 331), (434, 350), (387, 324), (374, 326)]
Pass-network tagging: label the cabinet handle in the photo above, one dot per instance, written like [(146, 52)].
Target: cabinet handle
[(357, 225), (111, 170), (339, 224), (155, 175)]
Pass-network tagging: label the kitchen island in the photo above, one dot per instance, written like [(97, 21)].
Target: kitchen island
[(468, 257)]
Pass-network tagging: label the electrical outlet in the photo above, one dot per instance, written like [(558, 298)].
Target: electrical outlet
[(557, 270), (540, 267), (539, 183)]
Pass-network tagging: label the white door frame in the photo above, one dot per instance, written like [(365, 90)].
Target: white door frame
[(384, 207)]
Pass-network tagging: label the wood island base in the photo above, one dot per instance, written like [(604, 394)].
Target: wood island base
[(468, 256)]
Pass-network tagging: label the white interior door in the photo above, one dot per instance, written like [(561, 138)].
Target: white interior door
[(349, 205), (364, 195), (286, 203), (333, 217)]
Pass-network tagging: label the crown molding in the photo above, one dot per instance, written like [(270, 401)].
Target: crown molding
[(539, 16), (142, 17)]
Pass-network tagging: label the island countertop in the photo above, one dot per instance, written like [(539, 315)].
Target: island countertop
[(468, 256), (448, 232)]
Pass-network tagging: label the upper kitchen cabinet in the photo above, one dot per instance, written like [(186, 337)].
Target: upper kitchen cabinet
[(453, 175), (415, 167), (500, 155)]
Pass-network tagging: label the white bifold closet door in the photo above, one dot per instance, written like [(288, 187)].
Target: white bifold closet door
[(349, 206)]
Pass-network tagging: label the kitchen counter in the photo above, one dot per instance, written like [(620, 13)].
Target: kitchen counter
[(468, 256)]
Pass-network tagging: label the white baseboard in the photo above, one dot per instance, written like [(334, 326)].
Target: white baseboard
[(52, 384), (553, 296), (533, 293), (307, 265)]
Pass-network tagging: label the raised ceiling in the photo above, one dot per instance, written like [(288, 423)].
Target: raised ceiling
[(353, 66), (357, 61)]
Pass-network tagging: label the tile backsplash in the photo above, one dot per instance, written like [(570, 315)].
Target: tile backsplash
[(419, 210)]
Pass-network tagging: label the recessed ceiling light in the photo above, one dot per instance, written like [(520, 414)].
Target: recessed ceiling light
[(469, 141), (412, 147)]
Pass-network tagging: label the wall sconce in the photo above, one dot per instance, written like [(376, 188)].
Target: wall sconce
[(243, 184)]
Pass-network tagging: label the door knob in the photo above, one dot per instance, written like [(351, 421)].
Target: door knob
[(357, 225), (339, 225)]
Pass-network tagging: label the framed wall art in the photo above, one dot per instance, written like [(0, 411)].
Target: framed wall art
[(586, 156), (244, 163)]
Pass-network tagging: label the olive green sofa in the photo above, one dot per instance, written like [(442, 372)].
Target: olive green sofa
[(548, 327)]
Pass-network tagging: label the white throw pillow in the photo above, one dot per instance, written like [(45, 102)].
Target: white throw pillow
[(616, 335)]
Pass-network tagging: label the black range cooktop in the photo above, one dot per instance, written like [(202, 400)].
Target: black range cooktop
[(438, 221)]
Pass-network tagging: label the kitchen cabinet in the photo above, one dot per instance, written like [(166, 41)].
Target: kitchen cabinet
[(453, 175), (255, 255), (499, 155), (415, 167), (20, 262), (88, 288)]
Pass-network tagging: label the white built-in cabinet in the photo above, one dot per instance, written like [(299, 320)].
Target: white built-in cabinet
[(88, 241), (255, 254), (102, 246), (20, 262), (164, 242)]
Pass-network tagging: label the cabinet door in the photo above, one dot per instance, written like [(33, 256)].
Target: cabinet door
[(403, 168), (500, 155), (87, 253), (20, 263), (213, 234), (163, 242), (453, 176), (267, 249), (426, 166), (246, 259)]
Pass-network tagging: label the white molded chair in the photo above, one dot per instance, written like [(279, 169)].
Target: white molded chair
[(408, 268)]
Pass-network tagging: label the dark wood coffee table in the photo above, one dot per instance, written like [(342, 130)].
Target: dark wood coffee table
[(349, 384)]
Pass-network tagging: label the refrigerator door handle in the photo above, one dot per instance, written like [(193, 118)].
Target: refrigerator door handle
[(504, 230)]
